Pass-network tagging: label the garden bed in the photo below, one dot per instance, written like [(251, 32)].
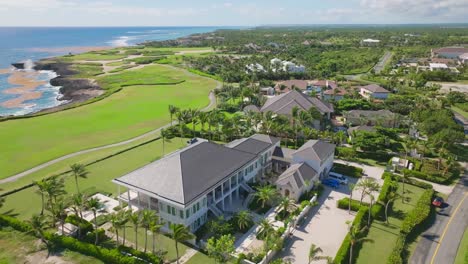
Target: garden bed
[(347, 170)]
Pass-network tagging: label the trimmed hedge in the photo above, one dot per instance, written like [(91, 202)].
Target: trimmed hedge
[(342, 256), (343, 203), (414, 218), (408, 181), (432, 178), (347, 170), (115, 255)]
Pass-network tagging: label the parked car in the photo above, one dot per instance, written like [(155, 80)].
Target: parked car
[(339, 177), (331, 182), (438, 202)]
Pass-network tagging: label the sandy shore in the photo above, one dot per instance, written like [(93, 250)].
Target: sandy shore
[(26, 88)]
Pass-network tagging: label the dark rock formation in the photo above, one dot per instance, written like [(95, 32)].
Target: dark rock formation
[(76, 89), (19, 65)]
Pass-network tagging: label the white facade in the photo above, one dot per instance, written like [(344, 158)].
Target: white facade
[(369, 94), (322, 167), (438, 66)]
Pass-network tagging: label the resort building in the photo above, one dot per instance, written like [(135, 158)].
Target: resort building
[(370, 42), (206, 179), (448, 52), (286, 66)]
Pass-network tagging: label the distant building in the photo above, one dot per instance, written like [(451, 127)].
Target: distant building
[(370, 42), (335, 94), (463, 58), (374, 91), (254, 67), (438, 67), (449, 52), (286, 66), (267, 90), (289, 85)]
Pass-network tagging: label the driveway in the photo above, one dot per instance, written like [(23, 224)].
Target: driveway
[(370, 172), (325, 226)]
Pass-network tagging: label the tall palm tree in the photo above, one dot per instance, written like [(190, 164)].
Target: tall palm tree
[(243, 219), (43, 187), (172, 111), (95, 205), (154, 227), (166, 135), (313, 253), (286, 204), (78, 205), (403, 179), (59, 212), (57, 188), (392, 196), (365, 185), (194, 118), (147, 217), (203, 118), (265, 229), (78, 171), (124, 217), (266, 194), (180, 233), (39, 224), (135, 219), (357, 236), (295, 114), (116, 224)]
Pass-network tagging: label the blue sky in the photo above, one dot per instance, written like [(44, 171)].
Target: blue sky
[(228, 13)]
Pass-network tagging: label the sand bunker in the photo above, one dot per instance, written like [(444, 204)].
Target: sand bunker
[(27, 83)]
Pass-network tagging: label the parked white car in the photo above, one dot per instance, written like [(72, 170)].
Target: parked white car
[(341, 178)]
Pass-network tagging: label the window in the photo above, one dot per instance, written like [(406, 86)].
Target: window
[(194, 209), (204, 201), (187, 213), (181, 213), (173, 211), (198, 206), (168, 209)]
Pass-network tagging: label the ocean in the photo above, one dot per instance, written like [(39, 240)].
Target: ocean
[(20, 44)]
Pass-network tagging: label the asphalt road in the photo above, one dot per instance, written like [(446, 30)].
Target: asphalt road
[(382, 62), (439, 244)]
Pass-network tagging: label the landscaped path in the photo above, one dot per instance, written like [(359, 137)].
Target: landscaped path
[(212, 98)]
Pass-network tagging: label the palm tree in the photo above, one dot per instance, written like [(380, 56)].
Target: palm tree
[(78, 204), (294, 114), (391, 197), (78, 171), (370, 207), (135, 219), (243, 219), (43, 186), (59, 211), (313, 253), (194, 117), (38, 225), (286, 204), (403, 178), (124, 217), (266, 194), (356, 235), (147, 216), (95, 205), (265, 229), (180, 233), (116, 224), (365, 185), (172, 111), (351, 188), (166, 135), (203, 118), (154, 227)]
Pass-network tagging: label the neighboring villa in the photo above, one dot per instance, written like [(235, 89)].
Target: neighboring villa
[(370, 42), (438, 67), (449, 52), (374, 91), (305, 85), (286, 66), (254, 67), (284, 103), (207, 179), (383, 118)]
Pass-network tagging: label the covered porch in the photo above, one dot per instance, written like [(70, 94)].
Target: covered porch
[(138, 200)]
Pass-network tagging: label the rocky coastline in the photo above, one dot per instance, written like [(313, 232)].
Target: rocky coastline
[(72, 91)]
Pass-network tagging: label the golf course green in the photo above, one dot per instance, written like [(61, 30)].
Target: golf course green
[(141, 106)]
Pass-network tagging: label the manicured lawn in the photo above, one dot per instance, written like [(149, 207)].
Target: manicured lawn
[(384, 235), (462, 253), (126, 114), (17, 247), (200, 258), (25, 203)]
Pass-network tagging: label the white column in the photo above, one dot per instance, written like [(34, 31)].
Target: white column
[(128, 197), (138, 194), (118, 195)]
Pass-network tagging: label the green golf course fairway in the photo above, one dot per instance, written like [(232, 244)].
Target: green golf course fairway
[(133, 111)]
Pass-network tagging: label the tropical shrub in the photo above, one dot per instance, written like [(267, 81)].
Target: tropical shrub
[(342, 256)]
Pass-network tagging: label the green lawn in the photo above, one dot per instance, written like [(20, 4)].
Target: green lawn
[(200, 258), (462, 253), (25, 203), (17, 247), (384, 235), (123, 115)]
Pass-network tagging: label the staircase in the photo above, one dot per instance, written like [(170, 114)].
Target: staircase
[(247, 187), (248, 199), (216, 211)]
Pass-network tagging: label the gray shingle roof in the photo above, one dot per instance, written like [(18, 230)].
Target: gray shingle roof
[(375, 88), (254, 144), (316, 150), (186, 174), (283, 104), (300, 173)]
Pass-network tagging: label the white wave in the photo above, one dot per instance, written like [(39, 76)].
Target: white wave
[(121, 41), (28, 65)]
